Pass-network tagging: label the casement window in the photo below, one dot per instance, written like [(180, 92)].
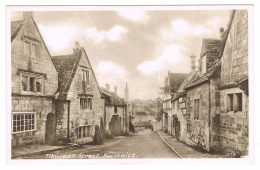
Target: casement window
[(23, 122), (31, 48), (86, 103), (85, 75), (196, 109), (234, 102), (31, 82), (83, 131)]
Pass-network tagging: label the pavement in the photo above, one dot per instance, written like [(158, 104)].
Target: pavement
[(34, 149), (183, 150)]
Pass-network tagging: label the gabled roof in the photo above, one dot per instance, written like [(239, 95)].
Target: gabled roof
[(210, 45), (175, 80), (66, 66), (115, 100)]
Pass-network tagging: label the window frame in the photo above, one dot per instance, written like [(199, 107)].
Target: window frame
[(237, 98), (196, 109), (84, 131), (24, 113), (28, 84), (85, 75), (32, 43), (86, 103)]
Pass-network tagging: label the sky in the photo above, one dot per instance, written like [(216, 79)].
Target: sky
[(134, 45)]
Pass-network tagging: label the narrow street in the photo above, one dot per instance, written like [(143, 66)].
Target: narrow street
[(144, 144)]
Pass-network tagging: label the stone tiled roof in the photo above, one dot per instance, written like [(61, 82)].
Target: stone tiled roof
[(115, 100), (14, 26), (175, 80), (66, 66), (210, 45), (199, 78)]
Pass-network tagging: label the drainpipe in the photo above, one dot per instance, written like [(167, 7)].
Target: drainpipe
[(209, 116), (68, 123)]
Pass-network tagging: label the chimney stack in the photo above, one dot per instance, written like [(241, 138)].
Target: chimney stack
[(77, 47), (193, 63), (115, 89), (108, 87), (221, 31), (27, 14)]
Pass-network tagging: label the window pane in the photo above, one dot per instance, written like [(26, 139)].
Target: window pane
[(32, 84), (24, 83), (239, 101), (38, 85), (33, 50), (27, 49)]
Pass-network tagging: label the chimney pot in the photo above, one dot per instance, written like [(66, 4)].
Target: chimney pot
[(108, 87), (77, 47), (221, 31)]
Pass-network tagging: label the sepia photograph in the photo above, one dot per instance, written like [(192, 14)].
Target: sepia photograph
[(129, 82)]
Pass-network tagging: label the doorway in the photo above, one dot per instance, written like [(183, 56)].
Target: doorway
[(50, 128)]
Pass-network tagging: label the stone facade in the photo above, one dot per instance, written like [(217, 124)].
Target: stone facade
[(78, 117), (234, 70), (27, 101)]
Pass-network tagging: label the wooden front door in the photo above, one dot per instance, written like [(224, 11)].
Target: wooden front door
[(50, 128)]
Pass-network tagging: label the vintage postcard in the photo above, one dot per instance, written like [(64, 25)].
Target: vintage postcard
[(103, 83)]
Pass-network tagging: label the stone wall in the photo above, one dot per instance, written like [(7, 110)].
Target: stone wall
[(41, 106), (110, 112), (198, 135), (234, 64), (234, 125)]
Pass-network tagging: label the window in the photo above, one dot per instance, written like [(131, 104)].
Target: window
[(196, 109), (83, 131), (230, 102), (86, 103), (31, 49), (32, 83), (85, 75), (24, 83), (234, 102), (38, 85), (23, 122)]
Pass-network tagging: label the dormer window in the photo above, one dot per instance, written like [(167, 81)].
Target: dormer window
[(31, 48)]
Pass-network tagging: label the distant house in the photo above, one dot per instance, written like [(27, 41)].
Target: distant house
[(79, 106), (171, 86), (34, 84), (142, 125), (116, 112)]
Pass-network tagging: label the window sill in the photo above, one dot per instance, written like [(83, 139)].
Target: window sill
[(32, 93), (14, 133)]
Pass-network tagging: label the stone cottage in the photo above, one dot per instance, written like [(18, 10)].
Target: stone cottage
[(79, 107), (34, 84), (171, 85), (116, 112), (234, 86), (202, 98)]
